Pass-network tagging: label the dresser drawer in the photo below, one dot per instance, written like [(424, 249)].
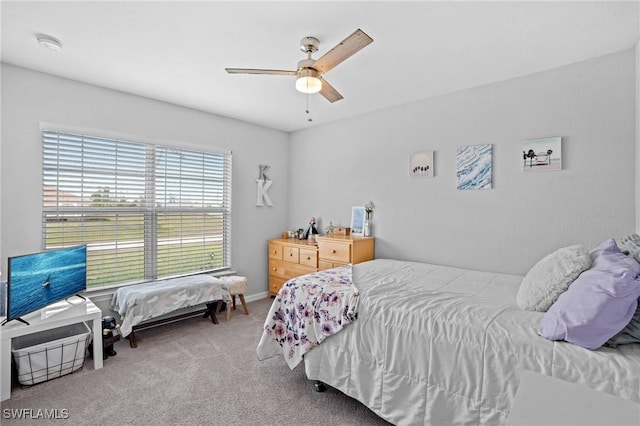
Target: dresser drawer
[(291, 254), (335, 251), (275, 251), (275, 284), (326, 264), (282, 269), (309, 257)]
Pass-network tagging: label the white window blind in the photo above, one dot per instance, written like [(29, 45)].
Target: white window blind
[(144, 211)]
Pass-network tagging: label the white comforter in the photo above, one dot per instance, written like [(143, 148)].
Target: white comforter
[(140, 302), (439, 345)]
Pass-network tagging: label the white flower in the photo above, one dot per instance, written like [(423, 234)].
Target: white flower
[(369, 208)]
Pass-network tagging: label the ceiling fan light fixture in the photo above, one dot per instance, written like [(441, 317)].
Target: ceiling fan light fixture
[(308, 81)]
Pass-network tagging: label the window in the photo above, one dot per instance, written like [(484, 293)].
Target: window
[(144, 211)]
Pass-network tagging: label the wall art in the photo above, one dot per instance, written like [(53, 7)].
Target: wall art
[(421, 164), (542, 155), (474, 166)]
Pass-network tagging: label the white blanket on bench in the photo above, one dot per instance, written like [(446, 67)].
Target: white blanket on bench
[(140, 302)]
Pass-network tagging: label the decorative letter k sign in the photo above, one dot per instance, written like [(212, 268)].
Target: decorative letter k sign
[(263, 186)]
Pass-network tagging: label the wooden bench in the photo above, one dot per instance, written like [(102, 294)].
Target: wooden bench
[(160, 302)]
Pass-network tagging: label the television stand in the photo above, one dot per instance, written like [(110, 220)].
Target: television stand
[(75, 295), (17, 319), (86, 311)]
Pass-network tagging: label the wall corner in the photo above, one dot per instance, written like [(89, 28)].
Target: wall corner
[(637, 183)]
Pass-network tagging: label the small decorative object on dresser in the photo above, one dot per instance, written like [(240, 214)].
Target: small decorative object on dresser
[(311, 230), (357, 221), (329, 230), (367, 229), (341, 230)]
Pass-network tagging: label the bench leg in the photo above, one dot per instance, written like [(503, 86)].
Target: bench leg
[(132, 340), (212, 309)]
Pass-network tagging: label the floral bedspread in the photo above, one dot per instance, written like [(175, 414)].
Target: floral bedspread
[(306, 311)]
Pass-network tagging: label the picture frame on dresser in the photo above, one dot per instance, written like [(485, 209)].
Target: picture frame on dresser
[(357, 220)]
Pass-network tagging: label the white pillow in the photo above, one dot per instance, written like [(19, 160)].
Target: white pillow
[(551, 277), (630, 243)]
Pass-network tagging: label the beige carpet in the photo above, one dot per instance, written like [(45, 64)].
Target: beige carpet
[(190, 372)]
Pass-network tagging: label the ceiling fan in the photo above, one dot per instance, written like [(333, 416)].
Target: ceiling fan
[(309, 74)]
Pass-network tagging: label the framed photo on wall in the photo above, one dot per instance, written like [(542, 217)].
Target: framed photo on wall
[(421, 164), (541, 155), (357, 220)]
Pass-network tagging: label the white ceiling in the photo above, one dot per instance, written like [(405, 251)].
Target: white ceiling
[(176, 51)]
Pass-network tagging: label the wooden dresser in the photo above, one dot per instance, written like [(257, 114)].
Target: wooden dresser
[(290, 258)]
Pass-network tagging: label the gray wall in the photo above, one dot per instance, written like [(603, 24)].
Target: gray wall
[(591, 105), (30, 98), (638, 136), (325, 170)]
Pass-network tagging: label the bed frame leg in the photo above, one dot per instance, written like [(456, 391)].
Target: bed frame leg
[(319, 386)]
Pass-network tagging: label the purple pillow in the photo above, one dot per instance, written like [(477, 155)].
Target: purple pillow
[(599, 303)]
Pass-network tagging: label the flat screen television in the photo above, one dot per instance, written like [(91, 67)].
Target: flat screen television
[(40, 279)]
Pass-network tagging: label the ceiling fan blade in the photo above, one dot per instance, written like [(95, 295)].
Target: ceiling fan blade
[(258, 71), (329, 92), (343, 50)]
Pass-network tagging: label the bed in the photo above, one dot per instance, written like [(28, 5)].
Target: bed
[(429, 344)]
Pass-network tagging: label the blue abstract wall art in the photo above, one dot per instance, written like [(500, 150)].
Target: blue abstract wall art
[(474, 166)]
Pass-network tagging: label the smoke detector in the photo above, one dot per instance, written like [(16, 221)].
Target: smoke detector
[(49, 42)]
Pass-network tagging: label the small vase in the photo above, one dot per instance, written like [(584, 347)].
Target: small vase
[(367, 228)]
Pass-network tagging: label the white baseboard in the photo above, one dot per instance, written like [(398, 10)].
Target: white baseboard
[(259, 296)]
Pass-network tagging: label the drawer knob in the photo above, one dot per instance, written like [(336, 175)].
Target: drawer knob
[(308, 258), (333, 251), (290, 254)]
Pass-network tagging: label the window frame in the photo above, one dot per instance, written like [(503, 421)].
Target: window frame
[(211, 203)]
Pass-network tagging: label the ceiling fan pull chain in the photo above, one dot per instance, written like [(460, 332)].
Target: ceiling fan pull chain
[(307, 110)]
